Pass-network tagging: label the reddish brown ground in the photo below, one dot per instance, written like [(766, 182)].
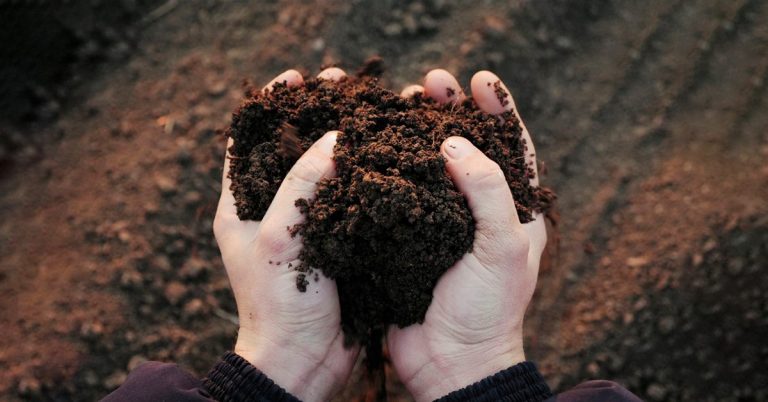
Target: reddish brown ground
[(651, 117)]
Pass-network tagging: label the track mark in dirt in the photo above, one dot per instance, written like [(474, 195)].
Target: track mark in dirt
[(637, 133), (593, 72), (683, 188), (724, 90), (756, 101), (586, 161), (648, 49), (755, 104), (630, 108), (750, 126), (586, 79), (692, 32), (586, 150), (725, 39), (612, 133), (725, 32)]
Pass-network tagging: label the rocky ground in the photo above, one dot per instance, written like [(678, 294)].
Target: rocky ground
[(651, 118)]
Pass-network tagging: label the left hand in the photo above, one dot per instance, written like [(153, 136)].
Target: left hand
[(474, 325), (294, 338)]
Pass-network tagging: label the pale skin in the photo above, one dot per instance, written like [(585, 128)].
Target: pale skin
[(472, 329)]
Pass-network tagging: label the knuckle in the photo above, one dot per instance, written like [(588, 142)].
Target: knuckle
[(519, 243), (489, 175), (273, 239), (308, 169), (502, 242), (218, 227), (221, 225)]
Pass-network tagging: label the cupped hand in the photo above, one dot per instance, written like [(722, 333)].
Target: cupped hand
[(474, 325), (294, 338)]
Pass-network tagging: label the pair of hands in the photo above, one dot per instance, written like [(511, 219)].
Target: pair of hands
[(473, 327)]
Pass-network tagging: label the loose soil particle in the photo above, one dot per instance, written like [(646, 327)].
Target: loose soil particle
[(391, 221)]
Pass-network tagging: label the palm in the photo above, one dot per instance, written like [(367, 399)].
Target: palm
[(465, 313)]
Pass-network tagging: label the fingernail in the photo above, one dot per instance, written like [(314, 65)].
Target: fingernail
[(457, 147), (327, 142)]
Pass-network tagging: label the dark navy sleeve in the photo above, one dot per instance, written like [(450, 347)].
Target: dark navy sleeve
[(232, 379), (599, 390), (519, 383), (523, 383), (155, 381)]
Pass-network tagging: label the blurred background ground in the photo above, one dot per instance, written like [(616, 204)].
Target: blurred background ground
[(650, 117)]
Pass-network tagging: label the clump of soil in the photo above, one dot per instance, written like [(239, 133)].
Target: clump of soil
[(391, 221)]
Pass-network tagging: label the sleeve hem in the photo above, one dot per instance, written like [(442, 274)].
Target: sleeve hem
[(234, 379), (519, 383)]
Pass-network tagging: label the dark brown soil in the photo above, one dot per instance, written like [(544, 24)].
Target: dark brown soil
[(391, 221)]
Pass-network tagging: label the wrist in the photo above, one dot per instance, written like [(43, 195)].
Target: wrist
[(306, 379), (450, 372)]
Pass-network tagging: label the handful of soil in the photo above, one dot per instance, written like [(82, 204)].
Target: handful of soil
[(391, 222)]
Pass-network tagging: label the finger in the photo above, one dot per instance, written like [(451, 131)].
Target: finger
[(493, 97), (301, 182), (499, 238), (290, 78), (537, 232), (332, 74), (442, 86), (226, 205), (481, 181), (411, 90)]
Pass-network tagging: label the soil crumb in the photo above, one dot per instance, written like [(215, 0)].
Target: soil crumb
[(391, 221)]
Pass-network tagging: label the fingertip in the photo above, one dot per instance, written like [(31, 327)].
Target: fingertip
[(411, 90), (481, 180), (327, 142), (442, 86), (484, 75), (290, 78), (455, 148), (490, 93), (332, 74), (493, 97)]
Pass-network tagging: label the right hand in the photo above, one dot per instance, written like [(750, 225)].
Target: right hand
[(474, 325), (294, 338)]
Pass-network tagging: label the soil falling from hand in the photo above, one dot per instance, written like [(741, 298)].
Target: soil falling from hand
[(391, 221)]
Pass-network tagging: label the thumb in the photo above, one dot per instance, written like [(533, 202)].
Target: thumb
[(497, 226), (314, 165)]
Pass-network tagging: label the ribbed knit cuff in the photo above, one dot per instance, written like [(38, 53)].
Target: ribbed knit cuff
[(233, 379), (519, 383)]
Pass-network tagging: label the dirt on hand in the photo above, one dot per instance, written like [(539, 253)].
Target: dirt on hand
[(391, 221)]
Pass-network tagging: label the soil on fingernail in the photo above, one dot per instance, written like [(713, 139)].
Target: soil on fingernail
[(391, 221), (501, 94)]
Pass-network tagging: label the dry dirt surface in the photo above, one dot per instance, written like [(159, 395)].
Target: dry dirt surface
[(651, 118)]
